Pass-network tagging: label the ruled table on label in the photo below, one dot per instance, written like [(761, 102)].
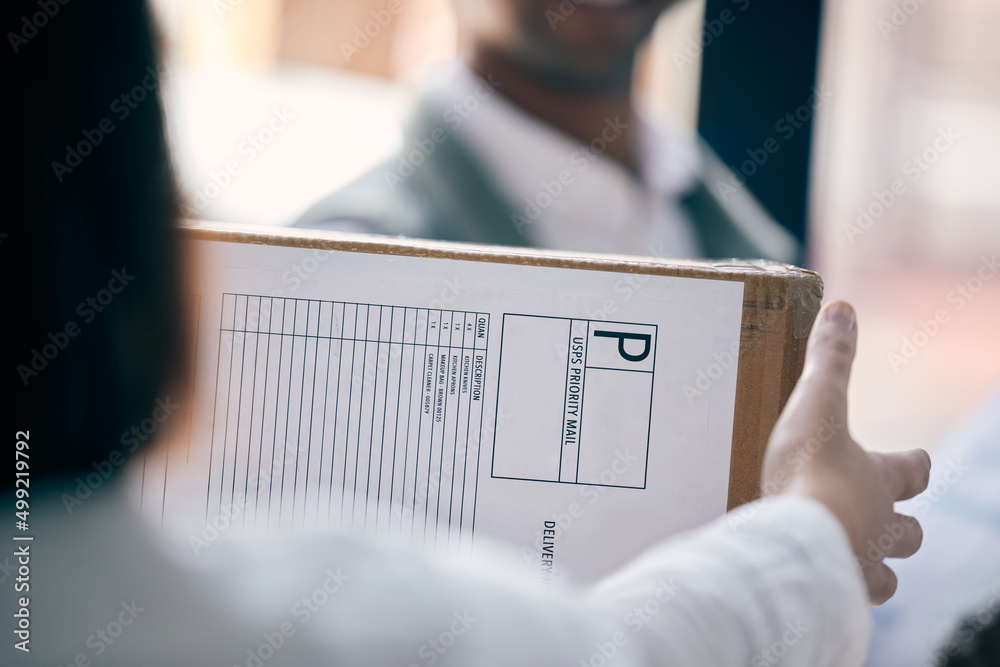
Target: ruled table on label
[(360, 416)]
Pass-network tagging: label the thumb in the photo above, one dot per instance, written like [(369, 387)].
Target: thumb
[(832, 345), (821, 392), (822, 389)]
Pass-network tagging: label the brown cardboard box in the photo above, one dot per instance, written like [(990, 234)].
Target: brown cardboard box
[(779, 306)]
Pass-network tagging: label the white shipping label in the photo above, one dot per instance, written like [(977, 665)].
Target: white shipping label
[(579, 415)]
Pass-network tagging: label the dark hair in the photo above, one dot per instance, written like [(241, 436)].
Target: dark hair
[(91, 253), (976, 642)]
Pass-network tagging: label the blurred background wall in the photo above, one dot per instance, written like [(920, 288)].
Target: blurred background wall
[(903, 205), (904, 74)]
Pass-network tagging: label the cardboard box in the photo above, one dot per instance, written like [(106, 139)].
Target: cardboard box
[(585, 406), (780, 303)]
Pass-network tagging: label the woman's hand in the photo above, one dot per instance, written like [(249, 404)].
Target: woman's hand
[(811, 453)]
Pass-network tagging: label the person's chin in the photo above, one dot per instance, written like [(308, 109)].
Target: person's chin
[(587, 74), (594, 27), (609, 13)]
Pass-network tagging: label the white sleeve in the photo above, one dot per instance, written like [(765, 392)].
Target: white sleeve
[(776, 582), (771, 582)]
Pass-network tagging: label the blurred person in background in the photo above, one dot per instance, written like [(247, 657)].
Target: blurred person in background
[(533, 139), (98, 585)]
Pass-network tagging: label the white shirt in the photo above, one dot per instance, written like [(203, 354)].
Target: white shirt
[(775, 582), (569, 194)]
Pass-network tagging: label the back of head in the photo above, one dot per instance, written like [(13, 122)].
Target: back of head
[(90, 256)]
